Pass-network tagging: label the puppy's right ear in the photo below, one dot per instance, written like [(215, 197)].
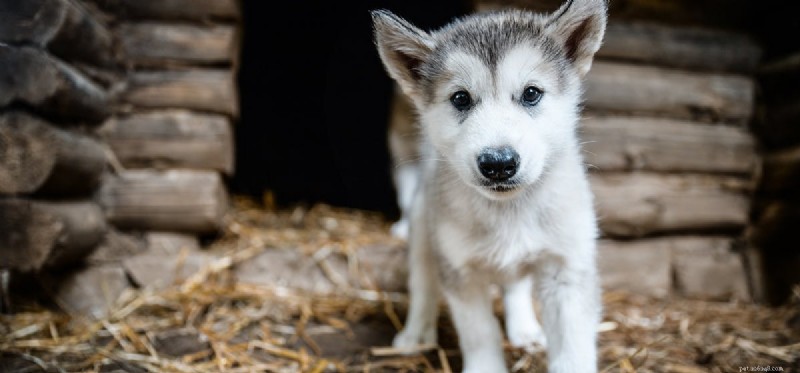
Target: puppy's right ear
[(403, 48)]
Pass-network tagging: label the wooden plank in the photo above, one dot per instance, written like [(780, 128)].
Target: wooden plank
[(64, 27), (174, 200), (152, 43), (637, 143), (680, 47), (35, 234), (198, 89), (37, 157), (638, 204), (172, 139), (631, 89), (55, 89), (194, 10)]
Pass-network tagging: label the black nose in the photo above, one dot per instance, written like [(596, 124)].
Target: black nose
[(498, 164)]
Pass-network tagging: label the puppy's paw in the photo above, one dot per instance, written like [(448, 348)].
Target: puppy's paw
[(411, 340), (400, 229), (531, 338)]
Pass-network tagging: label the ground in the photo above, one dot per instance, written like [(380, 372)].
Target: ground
[(212, 322)]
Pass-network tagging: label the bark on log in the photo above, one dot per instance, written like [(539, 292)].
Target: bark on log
[(35, 234), (632, 205), (37, 157), (172, 139), (206, 90), (64, 27), (194, 10), (149, 44), (637, 143), (175, 200), (31, 77), (615, 87), (681, 47)]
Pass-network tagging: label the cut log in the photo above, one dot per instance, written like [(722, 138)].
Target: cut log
[(206, 90), (702, 267), (631, 205), (62, 26), (175, 200), (681, 47), (149, 44), (623, 88), (34, 235), (88, 292), (646, 260), (194, 10), (708, 268), (31, 77), (637, 143), (37, 157), (172, 139), (27, 154)]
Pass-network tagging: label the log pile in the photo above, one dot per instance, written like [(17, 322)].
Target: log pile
[(52, 99), (115, 121), (665, 132), (172, 136)]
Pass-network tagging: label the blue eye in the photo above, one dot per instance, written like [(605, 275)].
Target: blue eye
[(531, 96), (461, 100)]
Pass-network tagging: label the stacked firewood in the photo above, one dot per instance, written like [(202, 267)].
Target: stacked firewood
[(172, 135), (665, 127), (56, 83), (116, 119)]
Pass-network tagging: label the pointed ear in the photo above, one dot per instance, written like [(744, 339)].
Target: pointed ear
[(579, 25), (403, 48)]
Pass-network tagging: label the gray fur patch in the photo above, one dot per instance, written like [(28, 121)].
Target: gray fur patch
[(489, 36)]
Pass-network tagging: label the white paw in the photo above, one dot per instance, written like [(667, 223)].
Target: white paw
[(485, 364), (411, 340), (531, 338), (400, 229)]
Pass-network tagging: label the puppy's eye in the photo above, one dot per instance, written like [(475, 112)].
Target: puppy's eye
[(461, 100), (531, 96)]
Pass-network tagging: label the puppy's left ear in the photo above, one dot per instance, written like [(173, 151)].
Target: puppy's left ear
[(580, 25)]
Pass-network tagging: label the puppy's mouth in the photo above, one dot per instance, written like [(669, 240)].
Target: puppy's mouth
[(501, 187)]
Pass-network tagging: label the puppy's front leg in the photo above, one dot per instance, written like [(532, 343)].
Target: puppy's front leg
[(478, 330), (522, 328), (424, 292), (570, 300)]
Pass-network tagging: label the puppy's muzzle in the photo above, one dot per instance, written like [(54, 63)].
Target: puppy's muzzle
[(498, 164)]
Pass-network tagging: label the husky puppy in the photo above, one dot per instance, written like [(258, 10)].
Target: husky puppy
[(502, 195)]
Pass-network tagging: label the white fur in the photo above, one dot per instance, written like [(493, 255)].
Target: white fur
[(465, 236)]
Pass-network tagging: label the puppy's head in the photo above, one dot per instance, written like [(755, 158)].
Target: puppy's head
[(497, 93)]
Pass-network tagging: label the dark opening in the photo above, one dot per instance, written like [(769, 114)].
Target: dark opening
[(315, 99)]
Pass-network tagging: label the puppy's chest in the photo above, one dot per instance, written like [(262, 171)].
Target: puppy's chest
[(503, 242)]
